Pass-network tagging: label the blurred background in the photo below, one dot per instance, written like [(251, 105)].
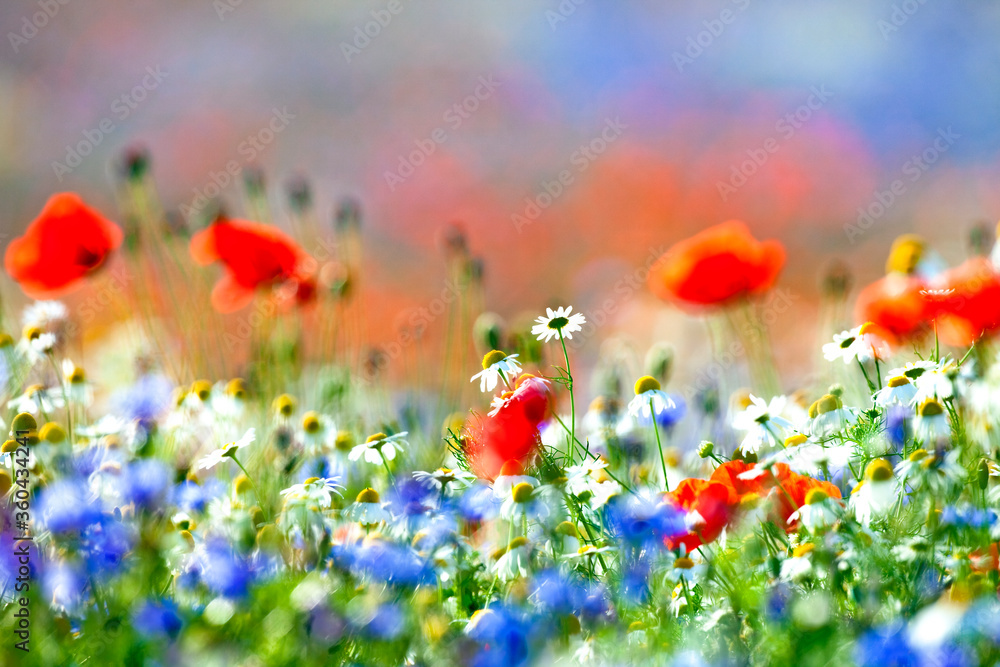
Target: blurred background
[(573, 141)]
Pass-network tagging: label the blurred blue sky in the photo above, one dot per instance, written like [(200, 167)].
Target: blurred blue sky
[(898, 71)]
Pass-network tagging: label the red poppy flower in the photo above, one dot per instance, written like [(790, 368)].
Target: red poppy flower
[(973, 307), (712, 500), (66, 242), (255, 255), (511, 434), (791, 495), (717, 265), (896, 303)]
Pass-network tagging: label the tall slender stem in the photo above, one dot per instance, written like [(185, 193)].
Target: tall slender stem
[(254, 485), (572, 401), (659, 445)]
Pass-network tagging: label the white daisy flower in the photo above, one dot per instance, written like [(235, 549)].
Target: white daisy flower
[(685, 568), (810, 457), (828, 416), (898, 390), (939, 474), (859, 344), (319, 433), (560, 320), (818, 513), (931, 423), (937, 382), (649, 399), (762, 422), (590, 553), (37, 345), (499, 402), (227, 451), (315, 490), (377, 446), (36, 398), (912, 549), (511, 474), (367, 509), (44, 315), (442, 477), (514, 560), (799, 566), (497, 366), (876, 494), (526, 501)]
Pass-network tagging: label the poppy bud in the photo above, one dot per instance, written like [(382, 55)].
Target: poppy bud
[(299, 193), (134, 163), (983, 474), (837, 280), (348, 216), (660, 362)]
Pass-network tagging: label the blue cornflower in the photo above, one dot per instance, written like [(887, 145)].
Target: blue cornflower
[(596, 603), (384, 561), (885, 647), (67, 506), (105, 544), (146, 483), (635, 584), (222, 570), (411, 499), (158, 618), (897, 424), (642, 520), (555, 592), (63, 584), (148, 398), (502, 635), (193, 497), (387, 622), (967, 516), (479, 503)]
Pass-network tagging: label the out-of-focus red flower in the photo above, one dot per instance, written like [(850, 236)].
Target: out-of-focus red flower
[(712, 500), (716, 266), (791, 495), (255, 255), (970, 304), (897, 303), (511, 434), (66, 242), (735, 485)]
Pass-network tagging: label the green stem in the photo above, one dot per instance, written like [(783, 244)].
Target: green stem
[(254, 485), (572, 401), (659, 445)]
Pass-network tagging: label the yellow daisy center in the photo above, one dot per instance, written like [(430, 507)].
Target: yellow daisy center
[(646, 383), (879, 470), (493, 357), (368, 496), (522, 492)]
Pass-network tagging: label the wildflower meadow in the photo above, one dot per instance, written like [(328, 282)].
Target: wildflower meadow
[(499, 334)]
